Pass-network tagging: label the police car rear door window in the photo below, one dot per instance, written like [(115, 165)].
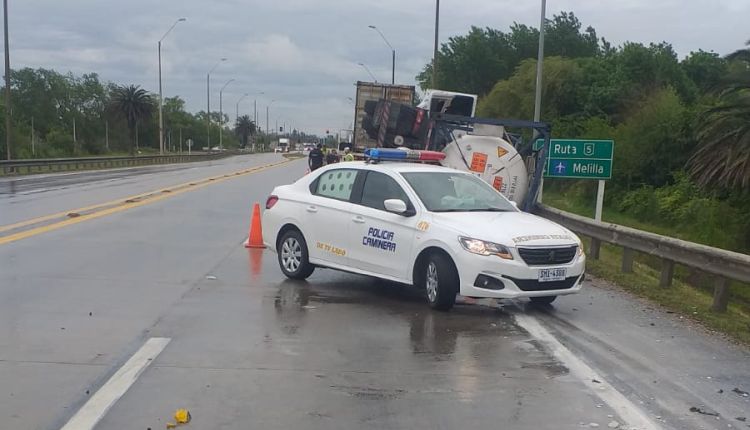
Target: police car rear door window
[(336, 184)]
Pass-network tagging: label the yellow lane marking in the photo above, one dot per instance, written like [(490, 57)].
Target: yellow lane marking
[(124, 204), (65, 213)]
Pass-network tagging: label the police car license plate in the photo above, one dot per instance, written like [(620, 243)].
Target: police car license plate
[(550, 275)]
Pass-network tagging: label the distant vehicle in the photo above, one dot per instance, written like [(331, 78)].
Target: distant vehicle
[(307, 147), (440, 229), (282, 145)]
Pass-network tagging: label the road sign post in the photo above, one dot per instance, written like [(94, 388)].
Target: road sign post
[(599, 200)]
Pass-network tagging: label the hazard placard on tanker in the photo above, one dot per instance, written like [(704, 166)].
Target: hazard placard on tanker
[(491, 158)]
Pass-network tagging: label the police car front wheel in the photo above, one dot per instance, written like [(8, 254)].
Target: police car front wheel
[(293, 256), (440, 281)]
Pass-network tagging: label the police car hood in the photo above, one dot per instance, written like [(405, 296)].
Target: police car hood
[(506, 228)]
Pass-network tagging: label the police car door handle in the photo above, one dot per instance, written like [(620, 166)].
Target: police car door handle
[(358, 220), (312, 209)]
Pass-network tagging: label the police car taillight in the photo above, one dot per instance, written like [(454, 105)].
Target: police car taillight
[(386, 154), (271, 201)]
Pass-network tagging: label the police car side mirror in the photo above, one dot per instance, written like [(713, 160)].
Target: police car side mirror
[(396, 206)]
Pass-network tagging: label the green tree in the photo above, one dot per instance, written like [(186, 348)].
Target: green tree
[(564, 38), (473, 63), (705, 69), (514, 97), (652, 142), (133, 104), (244, 128)]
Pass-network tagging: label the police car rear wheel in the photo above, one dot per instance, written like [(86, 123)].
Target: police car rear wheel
[(440, 282), (293, 256)]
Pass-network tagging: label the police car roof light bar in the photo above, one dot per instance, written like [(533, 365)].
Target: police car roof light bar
[(385, 154)]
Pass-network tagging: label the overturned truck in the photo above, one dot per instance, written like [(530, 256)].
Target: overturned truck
[(499, 151)]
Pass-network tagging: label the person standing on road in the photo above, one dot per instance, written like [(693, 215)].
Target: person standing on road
[(332, 157), (315, 160), (348, 156)]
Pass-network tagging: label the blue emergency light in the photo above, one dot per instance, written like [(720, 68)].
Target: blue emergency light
[(386, 154)]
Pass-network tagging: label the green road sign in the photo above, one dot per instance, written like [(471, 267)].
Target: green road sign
[(574, 158)]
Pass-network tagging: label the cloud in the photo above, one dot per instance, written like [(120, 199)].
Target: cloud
[(304, 53)]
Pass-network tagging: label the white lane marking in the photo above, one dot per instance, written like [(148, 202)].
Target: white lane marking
[(627, 410), (94, 410)]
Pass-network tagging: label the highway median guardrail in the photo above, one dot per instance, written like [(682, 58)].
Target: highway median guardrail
[(52, 165), (724, 265)]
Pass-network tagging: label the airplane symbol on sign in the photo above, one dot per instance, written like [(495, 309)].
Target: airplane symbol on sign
[(560, 168)]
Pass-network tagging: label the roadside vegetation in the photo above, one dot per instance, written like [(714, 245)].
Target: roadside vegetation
[(108, 119), (681, 128)]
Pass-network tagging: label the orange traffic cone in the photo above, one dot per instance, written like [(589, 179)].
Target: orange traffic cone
[(255, 236)]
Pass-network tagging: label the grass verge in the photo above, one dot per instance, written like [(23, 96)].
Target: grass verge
[(683, 298), (740, 291)]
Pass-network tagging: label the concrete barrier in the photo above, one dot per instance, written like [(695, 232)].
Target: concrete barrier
[(48, 165)]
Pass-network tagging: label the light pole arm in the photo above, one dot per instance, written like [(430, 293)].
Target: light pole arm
[(216, 65), (169, 31), (384, 39), (225, 85)]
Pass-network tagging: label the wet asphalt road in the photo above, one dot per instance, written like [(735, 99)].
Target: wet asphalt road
[(250, 349)]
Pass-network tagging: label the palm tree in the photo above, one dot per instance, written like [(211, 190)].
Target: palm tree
[(723, 155), (244, 128), (135, 105)]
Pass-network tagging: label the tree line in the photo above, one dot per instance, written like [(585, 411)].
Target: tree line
[(681, 126), (66, 115)]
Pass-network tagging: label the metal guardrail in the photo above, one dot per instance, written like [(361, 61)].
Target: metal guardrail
[(725, 265), (47, 165)]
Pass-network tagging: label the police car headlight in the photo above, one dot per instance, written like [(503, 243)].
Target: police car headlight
[(581, 251), (482, 247)]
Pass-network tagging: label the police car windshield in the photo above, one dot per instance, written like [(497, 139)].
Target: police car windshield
[(456, 192)]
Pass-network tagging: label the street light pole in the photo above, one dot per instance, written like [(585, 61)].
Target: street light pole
[(208, 104), (435, 48), (221, 115), (237, 108), (368, 71), (393, 54), (255, 108), (268, 131), (161, 117), (7, 82), (540, 66), (538, 89)]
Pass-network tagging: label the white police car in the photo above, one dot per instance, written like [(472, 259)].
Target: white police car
[(440, 229)]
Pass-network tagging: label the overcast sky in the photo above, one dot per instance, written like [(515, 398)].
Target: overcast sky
[(305, 53)]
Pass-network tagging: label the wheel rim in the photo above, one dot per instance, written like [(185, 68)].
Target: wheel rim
[(291, 254), (431, 282)]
